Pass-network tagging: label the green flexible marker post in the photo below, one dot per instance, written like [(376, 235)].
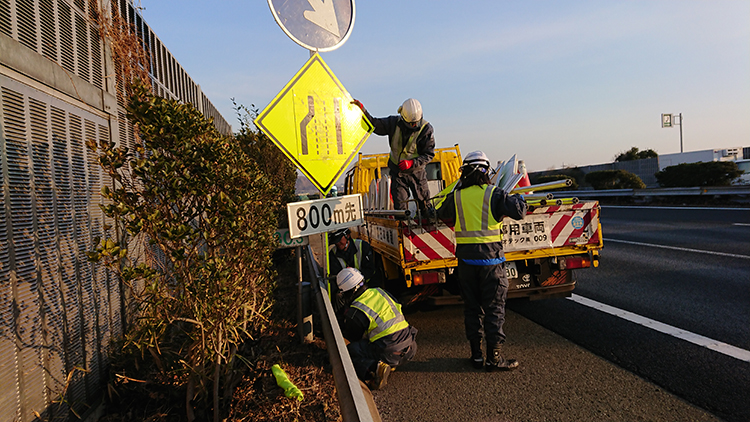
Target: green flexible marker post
[(290, 390)]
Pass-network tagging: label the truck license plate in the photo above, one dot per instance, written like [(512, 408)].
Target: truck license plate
[(510, 270)]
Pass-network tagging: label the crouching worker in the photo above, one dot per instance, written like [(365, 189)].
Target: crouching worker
[(379, 337)]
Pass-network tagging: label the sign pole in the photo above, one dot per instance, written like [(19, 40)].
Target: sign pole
[(680, 133), (304, 305), (668, 120), (324, 28), (328, 264), (326, 255)]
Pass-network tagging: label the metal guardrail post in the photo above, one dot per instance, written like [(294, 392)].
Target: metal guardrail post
[(354, 405)]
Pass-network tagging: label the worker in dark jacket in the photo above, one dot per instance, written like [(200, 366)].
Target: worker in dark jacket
[(355, 253), (476, 210), (412, 147), (379, 337)]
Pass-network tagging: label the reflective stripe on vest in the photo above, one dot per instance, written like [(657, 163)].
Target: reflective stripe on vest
[(475, 221), (410, 149), (383, 312)]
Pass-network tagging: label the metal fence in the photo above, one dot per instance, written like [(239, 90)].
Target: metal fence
[(58, 312), (656, 192)]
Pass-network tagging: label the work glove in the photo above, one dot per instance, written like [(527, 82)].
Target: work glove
[(359, 104), (405, 164)]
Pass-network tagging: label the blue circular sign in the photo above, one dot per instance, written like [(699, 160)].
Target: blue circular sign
[(317, 25)]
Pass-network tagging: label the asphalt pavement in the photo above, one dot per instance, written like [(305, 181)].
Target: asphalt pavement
[(688, 268), (556, 381)]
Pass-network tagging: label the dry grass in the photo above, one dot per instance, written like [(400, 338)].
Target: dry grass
[(140, 392)]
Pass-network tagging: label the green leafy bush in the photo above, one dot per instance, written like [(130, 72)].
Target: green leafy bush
[(204, 209), (614, 179), (713, 173), (635, 154), (270, 160)]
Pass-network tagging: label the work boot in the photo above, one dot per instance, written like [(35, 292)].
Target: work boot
[(477, 360), (495, 360), (380, 376)]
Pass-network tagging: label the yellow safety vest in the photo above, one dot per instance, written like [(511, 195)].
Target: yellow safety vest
[(383, 312), (398, 149), (474, 220)]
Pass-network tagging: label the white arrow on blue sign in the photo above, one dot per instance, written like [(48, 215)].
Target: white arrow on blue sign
[(317, 25)]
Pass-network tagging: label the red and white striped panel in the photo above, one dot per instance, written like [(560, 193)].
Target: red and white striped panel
[(576, 224), (552, 227), (566, 231), (545, 227), (422, 245)]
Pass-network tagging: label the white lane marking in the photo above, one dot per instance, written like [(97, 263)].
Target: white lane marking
[(741, 224), (715, 345), (676, 248)]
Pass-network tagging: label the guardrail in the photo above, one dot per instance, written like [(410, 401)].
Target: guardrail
[(355, 407), (694, 191)]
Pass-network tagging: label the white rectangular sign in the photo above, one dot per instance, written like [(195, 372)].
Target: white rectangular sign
[(533, 232), (666, 120), (324, 215)]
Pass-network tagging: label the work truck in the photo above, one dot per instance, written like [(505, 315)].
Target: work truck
[(417, 253)]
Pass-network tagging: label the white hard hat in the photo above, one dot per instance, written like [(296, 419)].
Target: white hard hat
[(349, 278), (411, 111), (334, 237), (476, 158)]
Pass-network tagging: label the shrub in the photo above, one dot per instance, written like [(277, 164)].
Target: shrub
[(713, 173), (208, 212), (635, 154), (270, 160), (614, 179)]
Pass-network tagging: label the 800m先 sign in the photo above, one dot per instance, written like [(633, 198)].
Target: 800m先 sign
[(324, 215)]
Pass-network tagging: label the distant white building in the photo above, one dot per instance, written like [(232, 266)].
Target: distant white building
[(706, 155), (739, 155)]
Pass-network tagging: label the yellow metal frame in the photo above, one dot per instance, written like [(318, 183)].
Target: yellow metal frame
[(364, 171)]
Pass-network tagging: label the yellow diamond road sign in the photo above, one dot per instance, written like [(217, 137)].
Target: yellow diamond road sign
[(313, 122)]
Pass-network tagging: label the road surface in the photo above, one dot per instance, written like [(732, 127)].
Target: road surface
[(671, 283)]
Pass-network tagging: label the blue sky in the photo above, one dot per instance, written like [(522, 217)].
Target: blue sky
[(559, 83)]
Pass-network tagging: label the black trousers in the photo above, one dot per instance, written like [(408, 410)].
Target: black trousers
[(484, 289), (402, 182), (365, 355)]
